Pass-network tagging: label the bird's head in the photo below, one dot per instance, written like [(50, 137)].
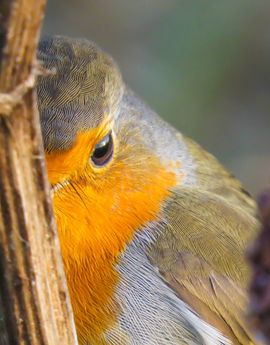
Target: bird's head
[(107, 183)]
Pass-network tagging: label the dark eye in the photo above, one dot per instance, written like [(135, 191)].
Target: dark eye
[(103, 151)]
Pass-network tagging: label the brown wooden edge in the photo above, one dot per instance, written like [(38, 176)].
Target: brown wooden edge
[(34, 298)]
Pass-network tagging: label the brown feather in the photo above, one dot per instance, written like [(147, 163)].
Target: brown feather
[(201, 252)]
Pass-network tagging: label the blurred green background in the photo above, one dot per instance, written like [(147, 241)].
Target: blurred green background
[(204, 65)]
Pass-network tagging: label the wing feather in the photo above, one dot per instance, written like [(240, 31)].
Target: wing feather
[(201, 251)]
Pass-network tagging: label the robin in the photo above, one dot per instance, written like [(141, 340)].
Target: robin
[(153, 230)]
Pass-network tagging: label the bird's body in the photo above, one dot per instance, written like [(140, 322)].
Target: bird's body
[(152, 228)]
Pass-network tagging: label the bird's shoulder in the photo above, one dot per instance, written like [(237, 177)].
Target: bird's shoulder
[(200, 251)]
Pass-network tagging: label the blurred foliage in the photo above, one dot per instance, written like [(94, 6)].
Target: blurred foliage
[(203, 65)]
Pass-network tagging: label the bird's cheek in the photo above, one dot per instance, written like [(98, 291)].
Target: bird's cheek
[(62, 165)]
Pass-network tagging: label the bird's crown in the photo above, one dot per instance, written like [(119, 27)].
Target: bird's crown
[(82, 87)]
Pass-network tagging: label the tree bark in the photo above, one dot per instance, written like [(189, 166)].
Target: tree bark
[(259, 257), (33, 293)]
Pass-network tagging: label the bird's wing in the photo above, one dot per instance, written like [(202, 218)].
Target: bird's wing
[(201, 252)]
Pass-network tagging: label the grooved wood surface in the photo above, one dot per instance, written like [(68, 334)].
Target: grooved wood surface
[(33, 292)]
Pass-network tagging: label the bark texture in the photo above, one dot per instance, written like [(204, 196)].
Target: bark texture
[(259, 257), (34, 302)]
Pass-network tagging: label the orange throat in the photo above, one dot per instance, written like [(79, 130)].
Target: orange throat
[(97, 215)]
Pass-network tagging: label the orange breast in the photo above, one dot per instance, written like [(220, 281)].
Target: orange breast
[(97, 215)]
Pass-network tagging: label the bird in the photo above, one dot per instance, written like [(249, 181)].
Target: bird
[(153, 229)]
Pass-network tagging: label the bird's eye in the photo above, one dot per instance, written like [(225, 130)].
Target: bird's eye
[(103, 151)]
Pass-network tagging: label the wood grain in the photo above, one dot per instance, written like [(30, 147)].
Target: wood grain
[(33, 293)]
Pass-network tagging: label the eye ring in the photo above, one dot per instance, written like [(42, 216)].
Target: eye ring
[(103, 151)]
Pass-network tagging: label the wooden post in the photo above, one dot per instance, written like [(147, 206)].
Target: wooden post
[(34, 299)]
